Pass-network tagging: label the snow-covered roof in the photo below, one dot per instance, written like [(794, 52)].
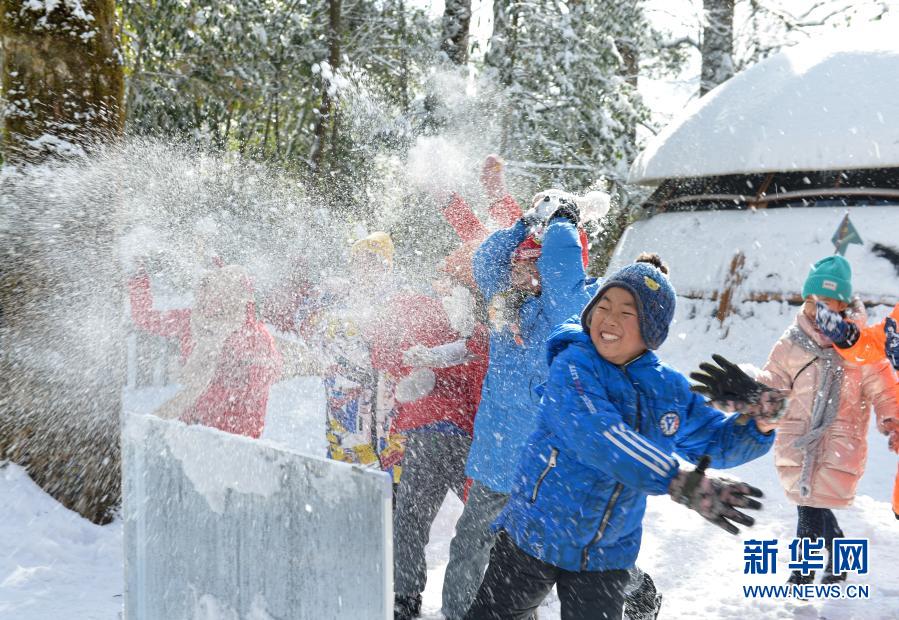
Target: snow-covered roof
[(826, 104)]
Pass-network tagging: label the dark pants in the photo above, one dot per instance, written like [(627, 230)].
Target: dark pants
[(515, 584), (433, 464), (815, 523), (470, 549)]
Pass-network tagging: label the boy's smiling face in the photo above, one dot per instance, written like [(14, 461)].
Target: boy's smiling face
[(615, 327)]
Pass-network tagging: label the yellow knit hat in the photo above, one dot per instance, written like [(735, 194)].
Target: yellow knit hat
[(378, 243)]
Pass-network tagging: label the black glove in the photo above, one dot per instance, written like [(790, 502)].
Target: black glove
[(727, 384), (569, 210), (841, 332), (716, 499)]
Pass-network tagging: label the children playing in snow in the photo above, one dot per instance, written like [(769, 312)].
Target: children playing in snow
[(821, 444), (867, 345), (611, 417), (345, 325), (531, 286), (438, 397), (229, 359)]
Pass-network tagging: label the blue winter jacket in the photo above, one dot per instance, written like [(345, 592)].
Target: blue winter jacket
[(507, 414), (605, 440)]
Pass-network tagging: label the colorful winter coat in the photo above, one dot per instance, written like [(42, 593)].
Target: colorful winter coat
[(419, 319), (869, 348), (359, 403), (870, 344), (236, 398), (507, 414), (606, 439), (821, 468)]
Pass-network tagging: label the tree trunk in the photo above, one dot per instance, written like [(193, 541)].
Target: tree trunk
[(501, 56), (402, 36), (326, 116), (501, 49), (61, 342), (630, 69), (717, 44), (62, 78), (456, 23)]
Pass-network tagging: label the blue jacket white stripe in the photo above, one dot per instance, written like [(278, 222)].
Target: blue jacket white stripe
[(509, 405), (605, 440)]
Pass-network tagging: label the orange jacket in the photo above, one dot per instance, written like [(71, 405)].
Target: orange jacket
[(896, 496), (871, 343), (870, 348)]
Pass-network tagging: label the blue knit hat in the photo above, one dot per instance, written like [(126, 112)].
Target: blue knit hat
[(653, 294), (830, 277)]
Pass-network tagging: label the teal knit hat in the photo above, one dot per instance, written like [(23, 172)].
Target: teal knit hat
[(830, 277)]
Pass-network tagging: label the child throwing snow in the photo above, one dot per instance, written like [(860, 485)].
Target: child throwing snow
[(229, 359), (821, 444), (611, 417), (867, 345), (533, 286)]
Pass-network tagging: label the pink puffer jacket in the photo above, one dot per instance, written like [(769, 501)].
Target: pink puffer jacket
[(838, 461)]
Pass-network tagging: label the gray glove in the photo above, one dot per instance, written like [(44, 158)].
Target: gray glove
[(716, 499)]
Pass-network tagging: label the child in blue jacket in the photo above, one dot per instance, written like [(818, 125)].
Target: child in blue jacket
[(611, 418), (532, 288)]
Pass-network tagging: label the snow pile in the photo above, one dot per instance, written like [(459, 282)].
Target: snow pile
[(824, 104), (54, 563), (780, 246)]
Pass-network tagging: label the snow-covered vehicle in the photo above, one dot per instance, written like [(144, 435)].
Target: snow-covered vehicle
[(752, 181)]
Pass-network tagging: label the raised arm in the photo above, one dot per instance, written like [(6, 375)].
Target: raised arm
[(492, 260), (463, 219), (503, 208), (561, 267), (169, 324)]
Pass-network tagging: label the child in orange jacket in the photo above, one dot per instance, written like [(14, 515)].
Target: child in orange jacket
[(865, 345)]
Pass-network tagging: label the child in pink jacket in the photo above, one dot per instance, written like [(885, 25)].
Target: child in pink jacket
[(821, 444)]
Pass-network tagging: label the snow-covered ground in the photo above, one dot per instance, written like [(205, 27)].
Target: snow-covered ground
[(57, 565), (54, 564)]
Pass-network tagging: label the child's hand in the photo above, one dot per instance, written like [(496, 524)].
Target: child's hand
[(891, 345), (841, 332), (716, 499), (729, 386), (492, 177)]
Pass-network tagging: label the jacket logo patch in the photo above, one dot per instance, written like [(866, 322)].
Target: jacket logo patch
[(669, 423), (829, 285), (652, 284)]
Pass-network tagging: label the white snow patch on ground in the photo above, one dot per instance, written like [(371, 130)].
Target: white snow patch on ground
[(53, 563), (57, 565)]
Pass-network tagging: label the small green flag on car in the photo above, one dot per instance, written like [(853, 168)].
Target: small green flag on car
[(845, 235)]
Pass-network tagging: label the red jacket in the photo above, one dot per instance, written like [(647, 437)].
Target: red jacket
[(419, 319), (236, 399)]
